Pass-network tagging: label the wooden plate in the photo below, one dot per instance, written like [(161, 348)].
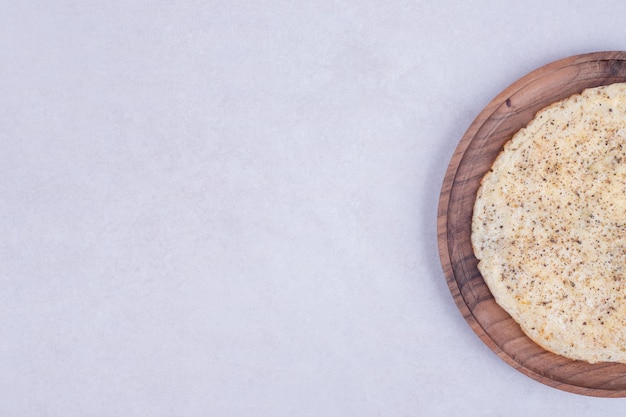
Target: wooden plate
[(506, 114)]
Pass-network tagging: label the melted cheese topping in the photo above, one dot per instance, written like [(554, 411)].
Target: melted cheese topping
[(549, 226)]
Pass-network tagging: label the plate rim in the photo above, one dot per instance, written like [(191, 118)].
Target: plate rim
[(443, 213)]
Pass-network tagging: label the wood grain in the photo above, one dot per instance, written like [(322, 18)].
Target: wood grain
[(506, 114)]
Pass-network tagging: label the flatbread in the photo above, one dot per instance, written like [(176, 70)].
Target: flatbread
[(549, 226)]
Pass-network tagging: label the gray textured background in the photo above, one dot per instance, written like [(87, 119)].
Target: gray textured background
[(227, 208)]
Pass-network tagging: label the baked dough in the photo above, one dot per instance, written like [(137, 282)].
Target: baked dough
[(549, 226)]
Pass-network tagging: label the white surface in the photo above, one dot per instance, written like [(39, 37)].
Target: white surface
[(227, 208)]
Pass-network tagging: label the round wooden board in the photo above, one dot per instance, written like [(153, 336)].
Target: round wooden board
[(506, 114)]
